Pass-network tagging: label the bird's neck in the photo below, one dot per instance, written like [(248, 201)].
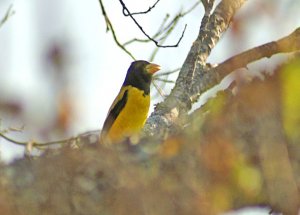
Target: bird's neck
[(139, 83)]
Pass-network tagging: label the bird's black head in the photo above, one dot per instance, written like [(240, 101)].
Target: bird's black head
[(139, 75)]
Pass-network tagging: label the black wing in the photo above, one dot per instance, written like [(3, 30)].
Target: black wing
[(114, 112)]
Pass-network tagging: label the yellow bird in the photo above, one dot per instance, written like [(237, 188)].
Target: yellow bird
[(128, 113)]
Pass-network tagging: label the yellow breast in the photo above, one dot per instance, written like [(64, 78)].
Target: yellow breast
[(132, 117)]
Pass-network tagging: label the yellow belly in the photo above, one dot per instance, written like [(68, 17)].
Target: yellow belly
[(132, 118)]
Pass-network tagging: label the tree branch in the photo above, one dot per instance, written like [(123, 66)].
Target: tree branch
[(43, 145), (290, 43), (8, 14), (143, 12), (164, 28), (179, 102), (109, 26), (287, 44), (126, 10)]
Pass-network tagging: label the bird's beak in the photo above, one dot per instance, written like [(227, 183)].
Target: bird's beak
[(152, 68)]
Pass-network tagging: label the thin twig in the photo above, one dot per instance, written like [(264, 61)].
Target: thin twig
[(164, 80), (135, 40), (8, 14), (109, 26), (168, 73), (179, 15), (44, 144), (159, 31), (163, 38), (13, 141), (143, 31), (159, 89), (167, 30), (170, 27), (143, 12), (163, 29)]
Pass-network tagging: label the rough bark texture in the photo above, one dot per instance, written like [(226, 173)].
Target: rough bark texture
[(195, 77), (193, 71)]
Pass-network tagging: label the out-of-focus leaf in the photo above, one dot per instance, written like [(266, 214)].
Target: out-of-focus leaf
[(171, 147), (290, 82)]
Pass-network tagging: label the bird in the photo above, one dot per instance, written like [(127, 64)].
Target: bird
[(128, 113)]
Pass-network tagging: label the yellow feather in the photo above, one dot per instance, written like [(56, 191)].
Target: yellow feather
[(132, 118)]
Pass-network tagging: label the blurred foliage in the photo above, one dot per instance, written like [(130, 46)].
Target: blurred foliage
[(290, 77), (231, 154)]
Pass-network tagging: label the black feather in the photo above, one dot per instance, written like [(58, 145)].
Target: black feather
[(138, 77), (114, 113)]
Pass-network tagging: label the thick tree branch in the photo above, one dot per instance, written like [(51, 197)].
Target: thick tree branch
[(179, 102), (290, 43), (208, 4), (287, 44), (195, 78)]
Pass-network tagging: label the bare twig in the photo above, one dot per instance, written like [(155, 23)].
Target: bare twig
[(164, 37), (143, 12), (167, 73), (159, 89), (8, 14), (147, 35), (45, 144), (164, 80), (166, 31), (159, 31), (13, 129), (12, 141), (109, 26), (180, 15)]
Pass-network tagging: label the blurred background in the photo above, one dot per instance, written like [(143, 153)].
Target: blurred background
[(60, 68)]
